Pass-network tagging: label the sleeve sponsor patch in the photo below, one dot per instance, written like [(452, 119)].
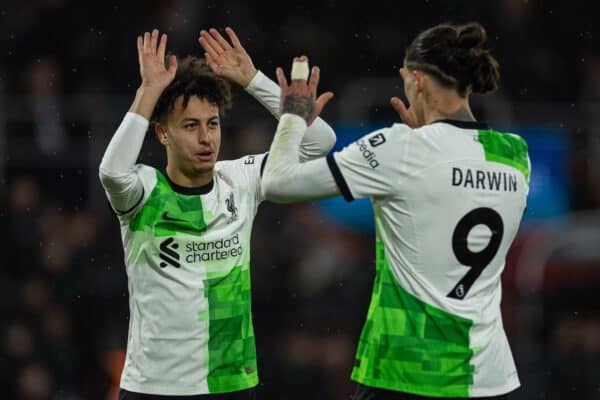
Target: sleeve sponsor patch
[(377, 140)]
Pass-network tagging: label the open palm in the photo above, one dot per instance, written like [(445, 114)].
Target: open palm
[(151, 53), (226, 59)]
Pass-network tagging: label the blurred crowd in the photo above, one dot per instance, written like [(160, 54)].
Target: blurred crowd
[(67, 72)]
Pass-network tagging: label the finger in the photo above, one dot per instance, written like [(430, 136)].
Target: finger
[(214, 66), (300, 70), (140, 45), (219, 38), (323, 100), (146, 42), (402, 111), (399, 106), (154, 41), (213, 42), (162, 46), (207, 47), (172, 64), (319, 105), (234, 39), (283, 84), (313, 80)]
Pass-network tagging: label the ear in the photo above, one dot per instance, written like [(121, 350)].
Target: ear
[(161, 134), (420, 78)]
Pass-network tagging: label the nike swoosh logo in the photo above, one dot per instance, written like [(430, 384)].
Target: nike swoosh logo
[(167, 218)]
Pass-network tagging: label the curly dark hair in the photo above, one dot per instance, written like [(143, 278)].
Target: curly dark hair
[(193, 78), (454, 55)]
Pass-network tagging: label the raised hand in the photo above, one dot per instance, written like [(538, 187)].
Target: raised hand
[(155, 74), (226, 59), (300, 97), (407, 115)]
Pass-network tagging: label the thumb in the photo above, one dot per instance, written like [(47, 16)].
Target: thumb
[(404, 113), (319, 105), (172, 64), (323, 100), (398, 105)]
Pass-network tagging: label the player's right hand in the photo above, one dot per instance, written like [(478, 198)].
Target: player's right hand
[(155, 74), (407, 115), (300, 96)]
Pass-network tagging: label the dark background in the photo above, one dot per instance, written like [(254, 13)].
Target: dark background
[(68, 71)]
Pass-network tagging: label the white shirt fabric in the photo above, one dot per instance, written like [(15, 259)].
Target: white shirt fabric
[(438, 193)]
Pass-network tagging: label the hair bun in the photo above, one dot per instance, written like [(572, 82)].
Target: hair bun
[(471, 35), (485, 72), (455, 56)]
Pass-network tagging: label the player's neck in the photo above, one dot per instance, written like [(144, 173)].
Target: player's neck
[(449, 108), (179, 177)]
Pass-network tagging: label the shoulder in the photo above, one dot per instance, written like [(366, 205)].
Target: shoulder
[(494, 138), (243, 163), (247, 167), (385, 135)]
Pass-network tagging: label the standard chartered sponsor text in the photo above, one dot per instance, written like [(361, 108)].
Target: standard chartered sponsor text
[(210, 251)]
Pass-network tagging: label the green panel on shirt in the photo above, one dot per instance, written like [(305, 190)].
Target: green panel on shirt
[(231, 347), (186, 209), (409, 346), (505, 148)]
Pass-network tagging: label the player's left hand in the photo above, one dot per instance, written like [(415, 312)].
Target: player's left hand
[(300, 97), (229, 60)]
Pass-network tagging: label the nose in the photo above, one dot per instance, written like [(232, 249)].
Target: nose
[(204, 135)]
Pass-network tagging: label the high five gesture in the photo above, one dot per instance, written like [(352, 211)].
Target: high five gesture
[(300, 96)]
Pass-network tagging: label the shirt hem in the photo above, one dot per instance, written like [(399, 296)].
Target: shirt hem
[(413, 389), (178, 390)]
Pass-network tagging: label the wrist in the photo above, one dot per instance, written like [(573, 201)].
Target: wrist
[(145, 100), (248, 78), (149, 90), (300, 105)]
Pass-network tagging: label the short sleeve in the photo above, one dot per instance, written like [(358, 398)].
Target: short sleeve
[(373, 165)]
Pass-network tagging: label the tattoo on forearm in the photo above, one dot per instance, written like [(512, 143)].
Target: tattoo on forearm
[(303, 106)]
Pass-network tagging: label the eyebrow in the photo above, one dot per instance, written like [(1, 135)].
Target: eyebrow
[(192, 119)]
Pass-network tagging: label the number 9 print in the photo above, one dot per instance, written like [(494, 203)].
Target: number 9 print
[(477, 261)]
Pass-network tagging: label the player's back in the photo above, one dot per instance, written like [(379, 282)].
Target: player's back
[(465, 191), (455, 198)]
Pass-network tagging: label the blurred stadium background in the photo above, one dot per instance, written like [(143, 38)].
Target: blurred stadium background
[(68, 71)]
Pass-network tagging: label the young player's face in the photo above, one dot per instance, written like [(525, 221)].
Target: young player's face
[(193, 135)]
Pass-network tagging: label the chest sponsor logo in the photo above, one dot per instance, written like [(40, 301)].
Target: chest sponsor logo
[(197, 252), (168, 253)]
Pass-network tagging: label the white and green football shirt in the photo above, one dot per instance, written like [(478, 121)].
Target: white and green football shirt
[(187, 254), (448, 199)]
